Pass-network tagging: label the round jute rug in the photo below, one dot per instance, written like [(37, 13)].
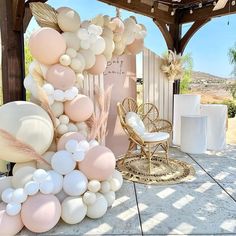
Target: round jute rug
[(136, 169)]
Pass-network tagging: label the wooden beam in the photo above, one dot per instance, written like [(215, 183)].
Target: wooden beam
[(12, 55), (138, 7), (18, 14), (206, 12), (193, 29), (165, 32)]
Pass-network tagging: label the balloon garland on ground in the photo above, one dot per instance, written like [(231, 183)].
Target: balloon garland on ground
[(59, 168)]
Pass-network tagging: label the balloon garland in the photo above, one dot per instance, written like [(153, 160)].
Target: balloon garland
[(73, 176)]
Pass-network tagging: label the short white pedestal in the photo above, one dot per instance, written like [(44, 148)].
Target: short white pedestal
[(216, 125), (194, 134), (184, 105)]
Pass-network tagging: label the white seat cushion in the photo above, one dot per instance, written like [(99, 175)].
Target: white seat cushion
[(134, 121), (155, 136)]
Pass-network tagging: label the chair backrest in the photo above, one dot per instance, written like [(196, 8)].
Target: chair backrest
[(129, 104)]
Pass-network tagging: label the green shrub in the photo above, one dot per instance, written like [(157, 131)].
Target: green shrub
[(231, 108)]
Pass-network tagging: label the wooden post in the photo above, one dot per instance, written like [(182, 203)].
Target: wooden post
[(13, 71)]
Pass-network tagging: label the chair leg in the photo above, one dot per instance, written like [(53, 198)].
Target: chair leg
[(149, 158), (128, 151), (166, 152)]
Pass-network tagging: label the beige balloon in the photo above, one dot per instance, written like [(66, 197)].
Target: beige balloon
[(47, 156), (3, 166), (22, 176), (5, 182), (17, 166)]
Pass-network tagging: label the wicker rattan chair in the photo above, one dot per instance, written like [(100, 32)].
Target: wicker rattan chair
[(157, 131)]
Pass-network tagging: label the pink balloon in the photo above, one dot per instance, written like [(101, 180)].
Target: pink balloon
[(99, 163), (136, 47), (41, 212), (9, 225), (100, 65), (119, 25), (80, 108), (47, 45), (61, 77), (68, 136)]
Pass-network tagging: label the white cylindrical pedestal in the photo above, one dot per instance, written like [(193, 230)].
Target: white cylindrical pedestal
[(193, 134), (216, 125), (184, 104)]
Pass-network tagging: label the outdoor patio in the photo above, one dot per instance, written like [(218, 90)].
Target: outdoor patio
[(206, 205)]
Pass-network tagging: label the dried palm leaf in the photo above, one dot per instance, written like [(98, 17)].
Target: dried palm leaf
[(45, 15)]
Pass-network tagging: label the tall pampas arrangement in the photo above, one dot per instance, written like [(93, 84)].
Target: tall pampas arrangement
[(172, 66), (98, 121)]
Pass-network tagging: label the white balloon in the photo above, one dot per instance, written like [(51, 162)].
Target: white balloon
[(76, 65), (78, 155), (57, 123), (19, 195), (59, 95), (44, 69), (110, 197), (93, 143), (62, 162), (118, 176), (62, 129), (82, 34), (31, 188), (7, 195), (28, 82), (57, 108), (94, 186), (65, 60), (71, 52), (85, 44), (89, 198), (99, 46), (72, 145), (72, 127), (99, 208), (83, 145), (71, 93), (95, 29), (13, 209), (75, 183), (81, 58), (47, 156), (115, 184), (47, 186), (105, 187), (73, 210), (72, 40), (50, 99), (40, 175), (89, 57), (92, 38), (57, 180), (64, 119)]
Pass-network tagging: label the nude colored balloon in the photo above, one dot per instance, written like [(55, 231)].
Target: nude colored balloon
[(29, 123), (17, 166), (119, 25), (99, 163), (5, 182), (47, 45), (9, 225), (68, 136), (61, 77), (100, 65), (41, 212), (80, 108), (136, 47)]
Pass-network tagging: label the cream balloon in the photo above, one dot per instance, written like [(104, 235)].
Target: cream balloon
[(99, 46), (89, 198), (89, 57), (71, 40), (5, 182), (110, 197), (17, 166), (57, 108)]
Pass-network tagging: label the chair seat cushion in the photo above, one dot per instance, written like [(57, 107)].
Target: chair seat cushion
[(155, 136), (134, 121)]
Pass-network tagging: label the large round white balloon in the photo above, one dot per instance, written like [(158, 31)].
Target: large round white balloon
[(62, 162), (110, 197), (40, 175), (116, 185), (99, 46), (75, 183), (19, 196), (89, 198), (13, 209), (47, 186), (73, 210), (31, 188), (7, 195), (99, 208), (57, 180), (89, 57)]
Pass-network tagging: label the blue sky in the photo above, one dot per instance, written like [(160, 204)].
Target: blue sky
[(209, 46)]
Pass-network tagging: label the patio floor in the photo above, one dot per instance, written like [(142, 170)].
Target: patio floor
[(206, 205)]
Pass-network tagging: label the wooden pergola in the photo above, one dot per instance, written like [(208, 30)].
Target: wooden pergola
[(168, 15)]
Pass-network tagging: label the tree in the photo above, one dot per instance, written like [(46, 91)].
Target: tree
[(232, 60), (187, 76)]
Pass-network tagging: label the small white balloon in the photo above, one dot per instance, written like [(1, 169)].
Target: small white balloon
[(19, 195), (72, 145), (76, 65), (62, 129), (115, 184), (71, 52), (57, 108), (13, 209), (65, 60), (7, 195), (48, 88), (83, 34), (62, 162), (89, 198), (105, 187), (94, 186), (57, 122), (47, 186), (50, 99), (110, 197), (59, 95), (118, 176), (93, 143), (93, 38), (83, 145), (57, 180), (70, 94), (40, 175), (78, 155), (85, 44), (72, 127), (99, 46), (64, 119), (31, 188)]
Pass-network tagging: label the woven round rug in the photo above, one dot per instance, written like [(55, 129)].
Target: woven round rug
[(136, 169)]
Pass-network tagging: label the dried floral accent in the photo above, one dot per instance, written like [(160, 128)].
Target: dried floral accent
[(172, 66), (98, 121), (45, 15)]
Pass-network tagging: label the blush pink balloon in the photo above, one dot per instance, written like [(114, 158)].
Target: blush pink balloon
[(100, 65), (119, 25), (47, 45), (99, 163), (61, 77), (80, 108), (41, 212), (9, 225), (68, 136), (136, 47)]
